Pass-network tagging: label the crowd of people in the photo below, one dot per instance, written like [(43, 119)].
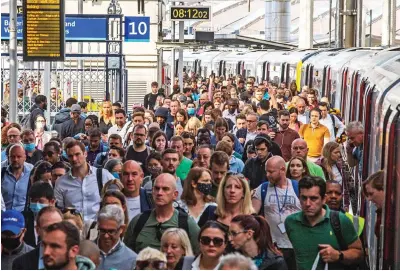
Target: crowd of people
[(224, 174)]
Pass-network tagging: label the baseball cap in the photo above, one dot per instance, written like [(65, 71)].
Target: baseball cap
[(12, 220), (76, 108)]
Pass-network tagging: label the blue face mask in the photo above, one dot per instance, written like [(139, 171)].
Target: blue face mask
[(115, 174), (29, 147), (191, 111), (36, 207)]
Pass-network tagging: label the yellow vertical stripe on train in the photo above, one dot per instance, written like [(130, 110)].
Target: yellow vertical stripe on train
[(298, 75)]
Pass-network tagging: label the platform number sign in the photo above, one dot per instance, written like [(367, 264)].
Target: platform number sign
[(137, 28)]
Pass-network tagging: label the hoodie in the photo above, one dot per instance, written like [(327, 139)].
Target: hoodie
[(84, 263), (60, 118)]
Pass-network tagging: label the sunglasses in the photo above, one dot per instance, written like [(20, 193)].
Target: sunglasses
[(205, 240), (154, 264), (159, 231), (73, 211)]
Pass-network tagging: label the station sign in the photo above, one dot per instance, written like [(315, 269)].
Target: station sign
[(77, 28), (185, 13), (137, 29), (43, 30)]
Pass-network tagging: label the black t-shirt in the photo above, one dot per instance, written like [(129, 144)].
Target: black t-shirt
[(139, 157), (36, 157), (104, 127), (150, 100), (271, 118)]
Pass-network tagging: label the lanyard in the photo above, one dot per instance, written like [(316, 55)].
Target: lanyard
[(284, 201)]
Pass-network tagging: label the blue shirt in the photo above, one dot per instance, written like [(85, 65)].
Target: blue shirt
[(3, 156), (83, 195), (236, 165), (14, 191)]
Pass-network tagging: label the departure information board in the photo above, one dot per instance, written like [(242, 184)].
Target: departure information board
[(43, 30)]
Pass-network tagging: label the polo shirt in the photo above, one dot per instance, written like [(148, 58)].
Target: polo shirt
[(148, 235), (306, 238), (314, 138), (184, 167)]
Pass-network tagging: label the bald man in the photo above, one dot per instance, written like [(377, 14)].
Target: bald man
[(300, 149), (15, 179), (278, 201), (303, 116), (137, 199), (145, 230), (13, 137)]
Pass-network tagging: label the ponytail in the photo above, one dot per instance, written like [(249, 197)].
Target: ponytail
[(264, 238)]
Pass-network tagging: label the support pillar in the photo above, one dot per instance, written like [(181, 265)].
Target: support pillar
[(306, 24)]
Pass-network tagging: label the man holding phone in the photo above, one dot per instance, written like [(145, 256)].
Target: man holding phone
[(319, 235)]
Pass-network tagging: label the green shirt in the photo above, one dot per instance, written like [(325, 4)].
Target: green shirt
[(184, 168), (305, 238), (214, 190), (148, 235)]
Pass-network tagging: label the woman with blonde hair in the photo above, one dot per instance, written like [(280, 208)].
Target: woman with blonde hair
[(107, 118), (206, 118), (233, 198), (196, 192), (151, 259), (193, 125), (176, 245)]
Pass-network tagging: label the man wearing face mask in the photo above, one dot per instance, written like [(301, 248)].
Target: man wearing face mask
[(12, 235), (33, 155), (40, 195)]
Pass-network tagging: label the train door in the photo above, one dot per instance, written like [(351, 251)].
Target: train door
[(287, 75), (323, 89), (309, 75), (221, 68), (344, 94), (328, 84), (265, 71), (239, 67), (354, 95)]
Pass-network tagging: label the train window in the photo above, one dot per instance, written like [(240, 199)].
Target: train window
[(292, 73), (374, 130), (328, 82), (361, 101), (323, 89), (354, 92), (344, 93), (334, 93)]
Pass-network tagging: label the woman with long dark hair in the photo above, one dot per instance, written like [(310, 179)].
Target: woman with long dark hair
[(252, 237)]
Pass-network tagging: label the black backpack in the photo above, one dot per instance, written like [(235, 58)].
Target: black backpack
[(182, 224)]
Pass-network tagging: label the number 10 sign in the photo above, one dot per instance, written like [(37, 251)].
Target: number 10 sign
[(137, 28)]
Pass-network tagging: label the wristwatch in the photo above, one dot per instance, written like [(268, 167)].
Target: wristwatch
[(341, 256)]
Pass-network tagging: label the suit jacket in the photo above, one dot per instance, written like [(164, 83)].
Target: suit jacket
[(28, 261), (29, 237)]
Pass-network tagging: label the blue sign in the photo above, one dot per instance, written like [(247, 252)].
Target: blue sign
[(76, 28), (137, 29)]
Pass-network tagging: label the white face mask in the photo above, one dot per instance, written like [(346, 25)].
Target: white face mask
[(40, 125)]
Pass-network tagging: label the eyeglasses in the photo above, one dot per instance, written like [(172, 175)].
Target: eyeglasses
[(109, 232), (205, 240), (159, 232), (155, 264), (234, 233), (141, 135)]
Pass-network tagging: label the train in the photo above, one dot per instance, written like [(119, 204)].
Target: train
[(364, 83)]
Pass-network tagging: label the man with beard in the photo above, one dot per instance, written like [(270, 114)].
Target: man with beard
[(313, 231), (284, 136), (232, 110), (12, 238), (37, 109), (15, 179), (203, 137), (138, 151), (75, 125), (114, 254), (137, 200), (71, 190), (33, 260), (161, 117), (61, 247), (170, 162)]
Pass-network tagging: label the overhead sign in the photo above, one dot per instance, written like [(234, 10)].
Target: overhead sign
[(19, 10), (77, 28), (43, 30), (182, 13), (137, 28)]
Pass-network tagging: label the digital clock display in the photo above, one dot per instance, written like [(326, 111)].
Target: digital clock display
[(179, 13)]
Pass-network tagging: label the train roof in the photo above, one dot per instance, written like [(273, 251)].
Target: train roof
[(386, 74), (291, 57)]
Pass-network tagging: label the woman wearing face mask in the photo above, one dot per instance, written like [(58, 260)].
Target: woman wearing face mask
[(41, 136), (153, 165), (196, 190), (297, 169), (176, 245), (191, 109), (114, 166), (251, 236), (159, 141), (213, 239)]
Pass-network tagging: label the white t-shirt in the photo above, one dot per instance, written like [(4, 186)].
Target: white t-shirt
[(289, 206), (133, 205)]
